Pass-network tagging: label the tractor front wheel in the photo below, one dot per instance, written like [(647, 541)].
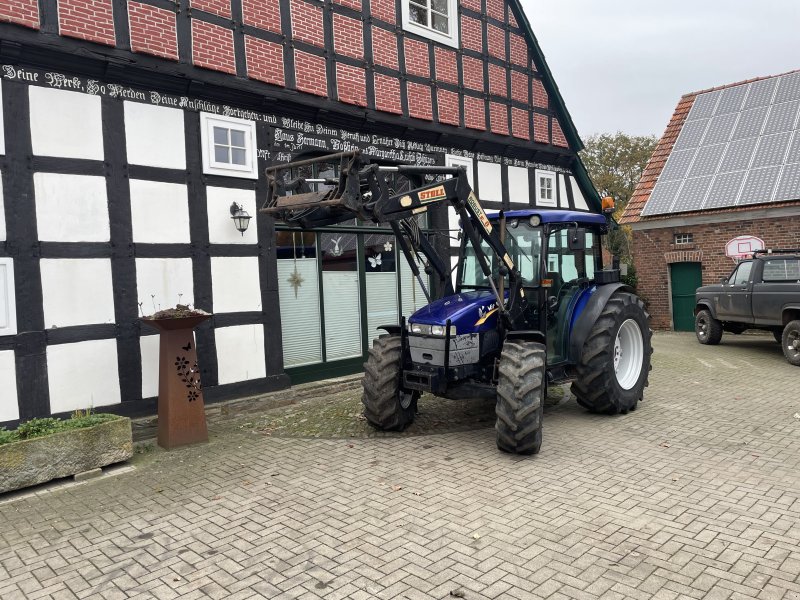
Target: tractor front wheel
[(615, 363), (386, 405), (520, 397)]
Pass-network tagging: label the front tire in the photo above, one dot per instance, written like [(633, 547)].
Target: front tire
[(520, 397), (791, 342), (707, 329), (615, 362), (386, 405)]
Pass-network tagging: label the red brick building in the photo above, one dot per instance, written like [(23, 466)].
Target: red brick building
[(727, 167), (129, 127)]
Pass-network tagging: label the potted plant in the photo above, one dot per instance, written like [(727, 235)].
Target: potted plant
[(43, 449), (181, 411)]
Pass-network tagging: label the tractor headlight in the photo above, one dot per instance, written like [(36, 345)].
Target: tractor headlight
[(437, 330), (420, 328)]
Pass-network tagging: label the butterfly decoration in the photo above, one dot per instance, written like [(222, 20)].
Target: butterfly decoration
[(375, 261)]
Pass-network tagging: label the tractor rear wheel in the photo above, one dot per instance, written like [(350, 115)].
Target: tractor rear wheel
[(386, 405), (615, 362), (520, 397)]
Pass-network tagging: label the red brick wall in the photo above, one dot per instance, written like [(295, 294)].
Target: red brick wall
[(22, 12), (446, 66), (496, 39), (519, 86), (212, 47), (348, 36), (653, 248), (471, 34), (384, 10), (153, 30), (309, 72), (520, 124), (351, 84), (307, 23), (217, 7), (496, 9), (473, 73), (497, 81), (448, 107), (519, 50), (472, 5), (387, 94), (264, 60), (417, 60), (91, 20), (474, 113), (540, 98), (540, 128), (419, 101), (354, 4), (558, 135), (264, 14), (384, 48), (498, 114)]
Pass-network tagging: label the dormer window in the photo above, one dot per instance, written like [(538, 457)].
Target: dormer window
[(432, 19)]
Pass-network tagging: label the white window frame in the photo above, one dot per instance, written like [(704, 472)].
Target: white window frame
[(449, 39), (210, 166), (9, 297), (550, 175), (683, 239)]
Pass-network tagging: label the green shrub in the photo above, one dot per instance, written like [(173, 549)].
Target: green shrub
[(40, 427)]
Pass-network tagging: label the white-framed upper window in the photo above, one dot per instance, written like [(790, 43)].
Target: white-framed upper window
[(436, 20), (546, 188), (684, 238), (229, 146), (8, 305)]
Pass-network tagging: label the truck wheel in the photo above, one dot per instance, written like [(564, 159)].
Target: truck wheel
[(791, 342), (615, 362), (520, 397), (386, 405), (707, 329)]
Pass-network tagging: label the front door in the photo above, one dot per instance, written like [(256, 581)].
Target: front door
[(685, 279)]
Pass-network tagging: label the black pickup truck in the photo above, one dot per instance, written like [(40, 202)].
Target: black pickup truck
[(761, 293)]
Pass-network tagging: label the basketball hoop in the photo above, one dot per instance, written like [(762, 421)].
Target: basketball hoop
[(742, 247)]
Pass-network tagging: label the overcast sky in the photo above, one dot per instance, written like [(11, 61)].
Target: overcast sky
[(624, 64)]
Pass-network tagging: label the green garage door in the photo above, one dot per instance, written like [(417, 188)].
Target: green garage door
[(685, 279)]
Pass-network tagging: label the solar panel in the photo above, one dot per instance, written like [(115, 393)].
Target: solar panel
[(771, 150), (761, 93), (738, 146), (759, 185), (662, 197), (677, 165), (789, 185), (691, 195), (750, 123), (788, 88), (707, 160), (782, 117), (724, 190), (691, 134)]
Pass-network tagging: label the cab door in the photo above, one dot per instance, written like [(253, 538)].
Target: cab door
[(735, 299)]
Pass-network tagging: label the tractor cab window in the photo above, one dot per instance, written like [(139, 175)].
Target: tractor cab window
[(524, 245)]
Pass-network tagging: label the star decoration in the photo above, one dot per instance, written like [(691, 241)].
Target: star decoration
[(295, 280)]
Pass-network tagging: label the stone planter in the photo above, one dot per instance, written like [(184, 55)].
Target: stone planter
[(30, 462)]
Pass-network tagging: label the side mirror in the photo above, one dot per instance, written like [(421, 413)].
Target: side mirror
[(724, 281), (576, 239)]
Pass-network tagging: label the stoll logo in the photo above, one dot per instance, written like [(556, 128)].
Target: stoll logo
[(426, 196)]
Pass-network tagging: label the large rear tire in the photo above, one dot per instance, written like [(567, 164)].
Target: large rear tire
[(520, 397), (791, 342), (707, 329), (386, 405), (615, 362)]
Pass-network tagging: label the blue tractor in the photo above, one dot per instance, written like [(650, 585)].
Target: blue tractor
[(532, 305)]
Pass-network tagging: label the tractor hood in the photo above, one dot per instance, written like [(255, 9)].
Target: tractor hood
[(469, 312)]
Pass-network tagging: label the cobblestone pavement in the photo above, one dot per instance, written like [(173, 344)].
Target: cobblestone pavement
[(695, 495)]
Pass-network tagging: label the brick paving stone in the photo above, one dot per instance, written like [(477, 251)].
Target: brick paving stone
[(694, 495)]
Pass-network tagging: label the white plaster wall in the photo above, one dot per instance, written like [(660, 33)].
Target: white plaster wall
[(9, 411), (519, 185), (8, 301), (490, 181), (164, 282), (2, 208), (240, 353), (159, 212), (148, 344), (65, 123), (155, 136), (77, 291), (235, 283), (83, 375), (563, 197), (221, 229), (577, 195), (71, 208)]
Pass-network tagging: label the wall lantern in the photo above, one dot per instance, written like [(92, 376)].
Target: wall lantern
[(240, 217)]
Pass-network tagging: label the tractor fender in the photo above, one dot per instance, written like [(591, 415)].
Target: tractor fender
[(586, 320), (391, 329), (527, 336)]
